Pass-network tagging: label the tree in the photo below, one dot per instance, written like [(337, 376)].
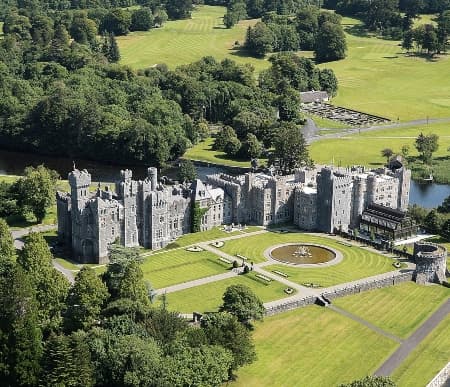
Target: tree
[(408, 40), (290, 149), (36, 190), (141, 19), (7, 250), (226, 135), (371, 381), (443, 30), (83, 30), (85, 300), (241, 302), (259, 39), (179, 9), (432, 222), (289, 103), (225, 330), (252, 147), (160, 16), (187, 171), (132, 284), (426, 145), (445, 230), (51, 286), (232, 147), (117, 22), (328, 81), (110, 48), (20, 335), (405, 151), (67, 361), (387, 152), (444, 208), (330, 43)]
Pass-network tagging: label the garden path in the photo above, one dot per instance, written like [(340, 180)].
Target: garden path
[(413, 341)]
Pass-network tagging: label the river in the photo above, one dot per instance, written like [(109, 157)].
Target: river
[(13, 163)]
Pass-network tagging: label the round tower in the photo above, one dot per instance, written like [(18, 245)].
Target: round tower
[(153, 177), (430, 261)]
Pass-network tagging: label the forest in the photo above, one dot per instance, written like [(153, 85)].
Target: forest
[(63, 92)]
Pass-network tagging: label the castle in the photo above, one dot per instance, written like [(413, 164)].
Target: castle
[(149, 214)]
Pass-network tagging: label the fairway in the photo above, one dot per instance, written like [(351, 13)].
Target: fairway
[(311, 347), (397, 309), (176, 266), (357, 263), (208, 298), (429, 357), (185, 41), (377, 77)]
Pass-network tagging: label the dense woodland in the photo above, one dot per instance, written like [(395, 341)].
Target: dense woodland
[(62, 92), (104, 330)]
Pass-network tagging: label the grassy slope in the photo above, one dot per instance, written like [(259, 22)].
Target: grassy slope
[(178, 266), (376, 77), (397, 309), (357, 263), (185, 41), (427, 359), (313, 346), (209, 297), (365, 148)]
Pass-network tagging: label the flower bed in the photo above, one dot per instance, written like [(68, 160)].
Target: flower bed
[(241, 257), (311, 285), (397, 265), (289, 290), (225, 260), (217, 244)]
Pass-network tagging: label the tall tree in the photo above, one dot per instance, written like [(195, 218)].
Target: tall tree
[(426, 145), (36, 190), (330, 43), (187, 171), (20, 335), (7, 250), (387, 152), (85, 300), (290, 149), (51, 286), (240, 301)]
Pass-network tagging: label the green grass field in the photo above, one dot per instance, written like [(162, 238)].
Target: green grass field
[(176, 266), (397, 309), (365, 148), (312, 347), (185, 41), (203, 151), (430, 356), (208, 297), (357, 263)]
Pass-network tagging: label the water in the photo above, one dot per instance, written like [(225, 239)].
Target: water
[(428, 195), (13, 163)]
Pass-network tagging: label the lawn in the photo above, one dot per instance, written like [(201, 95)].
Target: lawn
[(313, 346), (208, 297), (378, 78), (185, 41), (357, 263), (203, 152), (397, 309), (365, 148), (176, 266), (327, 123), (430, 356)]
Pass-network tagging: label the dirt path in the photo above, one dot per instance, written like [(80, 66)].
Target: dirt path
[(413, 341)]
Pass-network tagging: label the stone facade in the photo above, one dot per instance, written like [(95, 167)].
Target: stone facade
[(431, 262), (147, 213)]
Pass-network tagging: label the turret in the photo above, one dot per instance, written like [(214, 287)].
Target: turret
[(79, 182), (153, 177)]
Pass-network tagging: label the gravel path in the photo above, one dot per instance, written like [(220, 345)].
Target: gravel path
[(413, 341)]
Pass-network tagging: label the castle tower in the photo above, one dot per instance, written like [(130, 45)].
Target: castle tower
[(404, 177), (127, 190), (152, 173), (79, 182)]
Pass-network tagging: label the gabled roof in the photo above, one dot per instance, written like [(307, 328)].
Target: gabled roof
[(201, 192), (313, 96)]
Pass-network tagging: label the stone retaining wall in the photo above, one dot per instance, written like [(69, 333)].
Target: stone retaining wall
[(441, 378), (290, 305), (369, 285)]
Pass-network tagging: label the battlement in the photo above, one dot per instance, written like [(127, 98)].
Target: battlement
[(126, 175), (79, 179)]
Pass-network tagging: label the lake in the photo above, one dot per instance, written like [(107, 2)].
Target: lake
[(13, 163)]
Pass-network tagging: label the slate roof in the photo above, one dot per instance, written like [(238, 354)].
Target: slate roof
[(313, 96)]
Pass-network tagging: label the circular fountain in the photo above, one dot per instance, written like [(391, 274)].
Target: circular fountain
[(304, 254)]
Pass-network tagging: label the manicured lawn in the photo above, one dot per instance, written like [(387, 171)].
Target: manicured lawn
[(203, 152), (185, 41), (365, 148), (378, 78), (208, 297), (429, 357), (397, 309), (327, 123), (67, 264), (313, 346), (358, 263), (174, 267)]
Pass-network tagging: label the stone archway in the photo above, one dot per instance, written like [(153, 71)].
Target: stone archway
[(87, 250)]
